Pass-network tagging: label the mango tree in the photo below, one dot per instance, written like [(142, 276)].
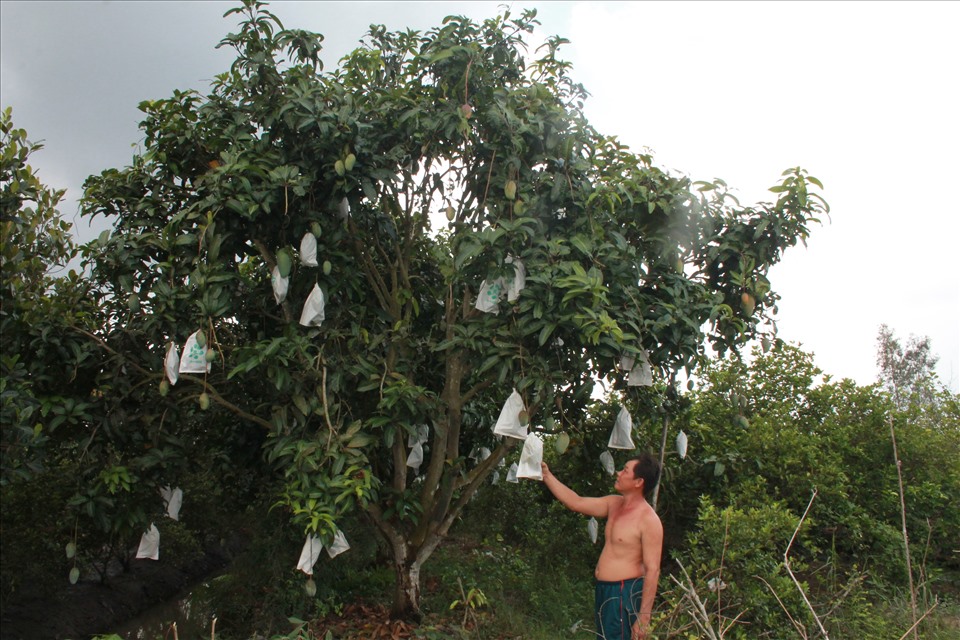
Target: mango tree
[(43, 386), (347, 247)]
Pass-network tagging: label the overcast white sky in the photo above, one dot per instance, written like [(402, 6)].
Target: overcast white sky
[(864, 95)]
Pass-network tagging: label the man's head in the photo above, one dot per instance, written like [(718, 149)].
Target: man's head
[(645, 468)]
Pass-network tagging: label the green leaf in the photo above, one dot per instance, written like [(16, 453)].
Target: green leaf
[(581, 244), (545, 333), (360, 440)]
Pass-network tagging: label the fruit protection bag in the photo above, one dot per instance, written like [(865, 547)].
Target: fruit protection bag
[(592, 529), (171, 363), (416, 441), (312, 315), (682, 444), (150, 544), (519, 279), (172, 500), (508, 424), (530, 458), (280, 285), (641, 372), (620, 437), (339, 544), (606, 461), (308, 250), (479, 454), (512, 473), (415, 457), (489, 296), (194, 357), (309, 554)]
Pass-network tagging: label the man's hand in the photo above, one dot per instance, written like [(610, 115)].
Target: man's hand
[(637, 632), (544, 469)]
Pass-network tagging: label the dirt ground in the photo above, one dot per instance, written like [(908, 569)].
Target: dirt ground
[(89, 608)]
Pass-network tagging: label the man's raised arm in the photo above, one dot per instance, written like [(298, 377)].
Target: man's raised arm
[(596, 507)]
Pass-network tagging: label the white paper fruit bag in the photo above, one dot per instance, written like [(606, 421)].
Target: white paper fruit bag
[(530, 458), (308, 250), (620, 437), (415, 457), (339, 544), (313, 308), (280, 285), (171, 364), (172, 500), (641, 375), (606, 461), (194, 358), (508, 424), (309, 554), (682, 444), (150, 544), (519, 279), (592, 529), (489, 296), (512, 473)]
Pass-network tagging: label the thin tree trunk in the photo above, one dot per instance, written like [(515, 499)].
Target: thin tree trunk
[(663, 453), (903, 520)]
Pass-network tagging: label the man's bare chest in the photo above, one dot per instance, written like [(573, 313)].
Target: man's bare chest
[(624, 527)]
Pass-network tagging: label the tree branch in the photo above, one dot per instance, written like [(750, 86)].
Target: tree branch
[(786, 563)]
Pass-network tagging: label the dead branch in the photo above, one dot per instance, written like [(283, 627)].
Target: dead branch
[(919, 620), (699, 610), (786, 563)]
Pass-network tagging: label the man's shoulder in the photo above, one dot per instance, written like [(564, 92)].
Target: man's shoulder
[(651, 518)]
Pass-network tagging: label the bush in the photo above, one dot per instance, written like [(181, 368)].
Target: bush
[(734, 560)]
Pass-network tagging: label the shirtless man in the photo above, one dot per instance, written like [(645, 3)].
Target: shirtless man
[(630, 560)]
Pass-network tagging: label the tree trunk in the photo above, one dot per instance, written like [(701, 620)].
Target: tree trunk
[(406, 594)]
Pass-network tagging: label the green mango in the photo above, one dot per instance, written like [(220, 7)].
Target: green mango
[(284, 263)]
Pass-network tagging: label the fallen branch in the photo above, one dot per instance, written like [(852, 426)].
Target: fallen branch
[(914, 627)]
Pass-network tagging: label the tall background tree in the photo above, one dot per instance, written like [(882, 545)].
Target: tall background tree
[(215, 221), (907, 371)]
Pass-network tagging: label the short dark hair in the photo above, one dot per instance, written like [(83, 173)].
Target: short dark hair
[(648, 470)]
